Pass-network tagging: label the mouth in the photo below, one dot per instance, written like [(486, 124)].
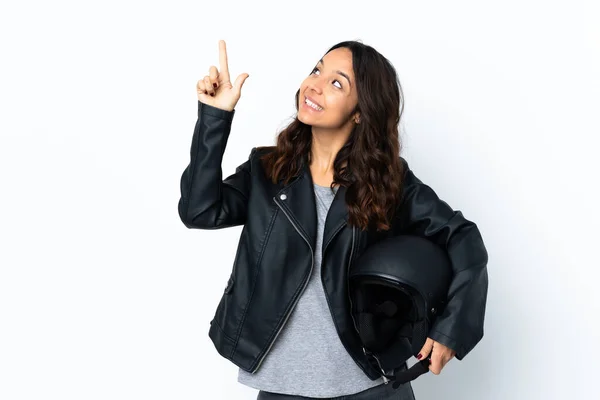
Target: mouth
[(312, 104)]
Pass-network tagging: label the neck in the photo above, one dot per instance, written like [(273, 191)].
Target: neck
[(324, 148)]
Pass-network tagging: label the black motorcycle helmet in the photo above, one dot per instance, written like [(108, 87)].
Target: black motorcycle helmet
[(397, 287)]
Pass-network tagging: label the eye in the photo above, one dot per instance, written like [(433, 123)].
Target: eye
[(335, 81)]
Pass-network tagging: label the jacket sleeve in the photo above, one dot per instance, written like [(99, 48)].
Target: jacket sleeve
[(207, 201), (422, 212)]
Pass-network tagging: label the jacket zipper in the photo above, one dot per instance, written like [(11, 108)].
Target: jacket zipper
[(385, 378), (348, 276), (299, 295)]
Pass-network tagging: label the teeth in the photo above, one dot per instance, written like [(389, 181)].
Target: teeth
[(313, 105)]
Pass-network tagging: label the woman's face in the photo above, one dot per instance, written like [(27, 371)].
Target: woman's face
[(330, 90)]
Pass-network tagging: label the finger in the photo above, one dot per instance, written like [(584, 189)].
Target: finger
[(426, 349), (435, 364), (200, 87), (224, 68), (213, 74), (240, 81), (208, 86)]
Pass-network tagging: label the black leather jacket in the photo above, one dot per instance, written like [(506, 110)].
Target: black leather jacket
[(274, 257)]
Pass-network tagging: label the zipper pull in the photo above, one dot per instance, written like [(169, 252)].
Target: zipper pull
[(383, 374)]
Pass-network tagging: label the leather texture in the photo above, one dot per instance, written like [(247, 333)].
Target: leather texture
[(274, 256)]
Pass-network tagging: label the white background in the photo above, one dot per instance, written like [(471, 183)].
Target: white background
[(104, 294)]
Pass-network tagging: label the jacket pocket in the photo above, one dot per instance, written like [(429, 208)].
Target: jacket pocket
[(238, 251), (228, 312), (229, 287)]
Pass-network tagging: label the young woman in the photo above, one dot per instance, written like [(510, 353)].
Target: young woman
[(333, 185)]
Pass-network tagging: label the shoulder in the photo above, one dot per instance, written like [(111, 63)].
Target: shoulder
[(408, 176), (260, 151), (254, 160), (257, 153)]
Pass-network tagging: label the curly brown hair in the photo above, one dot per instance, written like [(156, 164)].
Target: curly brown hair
[(373, 170)]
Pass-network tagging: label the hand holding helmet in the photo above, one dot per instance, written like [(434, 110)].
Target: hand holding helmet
[(437, 353), (397, 287)]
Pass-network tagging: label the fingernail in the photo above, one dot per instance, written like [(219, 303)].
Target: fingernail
[(419, 356)]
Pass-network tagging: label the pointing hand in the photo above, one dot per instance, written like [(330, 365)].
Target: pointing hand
[(216, 88)]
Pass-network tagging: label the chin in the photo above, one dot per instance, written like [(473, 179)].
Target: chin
[(302, 118)]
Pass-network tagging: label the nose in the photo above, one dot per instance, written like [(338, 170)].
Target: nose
[(316, 84)]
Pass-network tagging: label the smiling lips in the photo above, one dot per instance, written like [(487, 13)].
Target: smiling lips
[(312, 104)]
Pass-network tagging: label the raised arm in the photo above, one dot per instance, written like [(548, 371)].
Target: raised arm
[(207, 201)]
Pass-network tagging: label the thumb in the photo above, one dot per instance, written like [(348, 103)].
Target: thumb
[(426, 349), (240, 81)]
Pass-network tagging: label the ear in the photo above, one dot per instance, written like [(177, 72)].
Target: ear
[(357, 118)]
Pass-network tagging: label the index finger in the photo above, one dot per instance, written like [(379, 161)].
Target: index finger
[(224, 71)]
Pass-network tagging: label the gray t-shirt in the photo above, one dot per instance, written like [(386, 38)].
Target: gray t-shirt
[(308, 359)]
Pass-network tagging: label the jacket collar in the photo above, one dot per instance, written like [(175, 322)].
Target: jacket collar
[(300, 205)]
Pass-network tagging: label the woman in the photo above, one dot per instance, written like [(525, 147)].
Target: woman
[(333, 185)]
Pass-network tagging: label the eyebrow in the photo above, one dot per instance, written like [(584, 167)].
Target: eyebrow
[(338, 71)]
